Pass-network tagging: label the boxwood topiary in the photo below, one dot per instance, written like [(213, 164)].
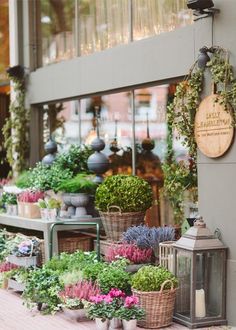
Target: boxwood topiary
[(129, 192), (150, 278)]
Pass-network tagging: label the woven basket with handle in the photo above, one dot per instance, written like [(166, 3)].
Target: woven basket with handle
[(158, 306), (116, 223)]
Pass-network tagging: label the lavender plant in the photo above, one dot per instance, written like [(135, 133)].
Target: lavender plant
[(146, 237)]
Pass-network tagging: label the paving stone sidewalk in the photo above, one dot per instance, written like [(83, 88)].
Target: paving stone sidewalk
[(15, 316)]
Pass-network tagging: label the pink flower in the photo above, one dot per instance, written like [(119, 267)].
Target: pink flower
[(108, 299), (130, 301), (98, 299), (116, 293)]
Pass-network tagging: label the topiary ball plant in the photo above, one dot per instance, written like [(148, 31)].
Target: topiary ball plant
[(130, 193)]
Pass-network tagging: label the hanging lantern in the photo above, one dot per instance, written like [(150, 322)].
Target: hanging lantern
[(200, 265)]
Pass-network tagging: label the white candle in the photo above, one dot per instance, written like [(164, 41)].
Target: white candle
[(171, 263), (200, 305)]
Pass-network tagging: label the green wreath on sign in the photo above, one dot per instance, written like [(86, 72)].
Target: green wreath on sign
[(179, 177)]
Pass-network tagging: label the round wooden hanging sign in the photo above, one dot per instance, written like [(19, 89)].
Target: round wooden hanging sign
[(213, 127)]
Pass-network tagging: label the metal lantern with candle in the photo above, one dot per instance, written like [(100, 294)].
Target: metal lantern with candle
[(200, 266)]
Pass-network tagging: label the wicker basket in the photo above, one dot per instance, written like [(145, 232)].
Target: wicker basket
[(158, 306), (71, 242), (116, 223)]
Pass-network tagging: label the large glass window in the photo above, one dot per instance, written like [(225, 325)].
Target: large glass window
[(151, 17), (57, 30), (102, 24), (70, 28), (126, 119)]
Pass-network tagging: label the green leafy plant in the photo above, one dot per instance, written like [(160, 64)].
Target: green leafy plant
[(75, 159), (71, 277), (151, 278), (50, 203), (23, 180), (9, 198), (130, 193), (42, 287), (81, 183), (16, 128), (114, 277), (91, 271), (43, 177)]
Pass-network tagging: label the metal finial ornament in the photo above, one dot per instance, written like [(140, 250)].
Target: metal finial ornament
[(50, 148), (114, 143), (98, 161), (148, 143)]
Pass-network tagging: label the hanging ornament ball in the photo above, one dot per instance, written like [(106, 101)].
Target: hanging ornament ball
[(48, 159), (98, 144), (98, 163), (148, 144), (50, 147)]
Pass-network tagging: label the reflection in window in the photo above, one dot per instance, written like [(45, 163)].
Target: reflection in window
[(57, 28), (102, 24), (151, 17)]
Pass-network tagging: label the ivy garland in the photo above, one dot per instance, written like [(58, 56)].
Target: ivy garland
[(182, 176), (15, 130)]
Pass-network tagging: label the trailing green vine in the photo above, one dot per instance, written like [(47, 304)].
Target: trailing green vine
[(182, 176), (15, 130)]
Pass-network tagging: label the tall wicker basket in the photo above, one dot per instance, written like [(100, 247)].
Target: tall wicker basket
[(158, 306), (116, 223)]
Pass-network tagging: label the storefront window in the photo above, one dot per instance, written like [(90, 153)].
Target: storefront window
[(151, 17), (57, 30), (102, 24), (71, 28)]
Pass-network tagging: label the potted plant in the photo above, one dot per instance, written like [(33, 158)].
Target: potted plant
[(42, 290), (122, 201), (137, 256), (130, 312), (27, 204), (148, 238), (79, 188), (10, 202), (49, 208), (156, 289), (73, 297), (25, 252), (103, 309)]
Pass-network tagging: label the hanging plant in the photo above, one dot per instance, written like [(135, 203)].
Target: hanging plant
[(182, 176), (15, 130)]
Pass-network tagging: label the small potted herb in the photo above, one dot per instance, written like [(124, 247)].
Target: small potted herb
[(49, 208)]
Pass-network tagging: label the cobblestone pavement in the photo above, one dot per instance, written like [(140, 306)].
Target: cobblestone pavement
[(15, 316)]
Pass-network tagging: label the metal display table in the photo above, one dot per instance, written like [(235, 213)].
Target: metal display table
[(46, 228)]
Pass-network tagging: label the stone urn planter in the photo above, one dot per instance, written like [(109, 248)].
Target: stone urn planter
[(80, 201)]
